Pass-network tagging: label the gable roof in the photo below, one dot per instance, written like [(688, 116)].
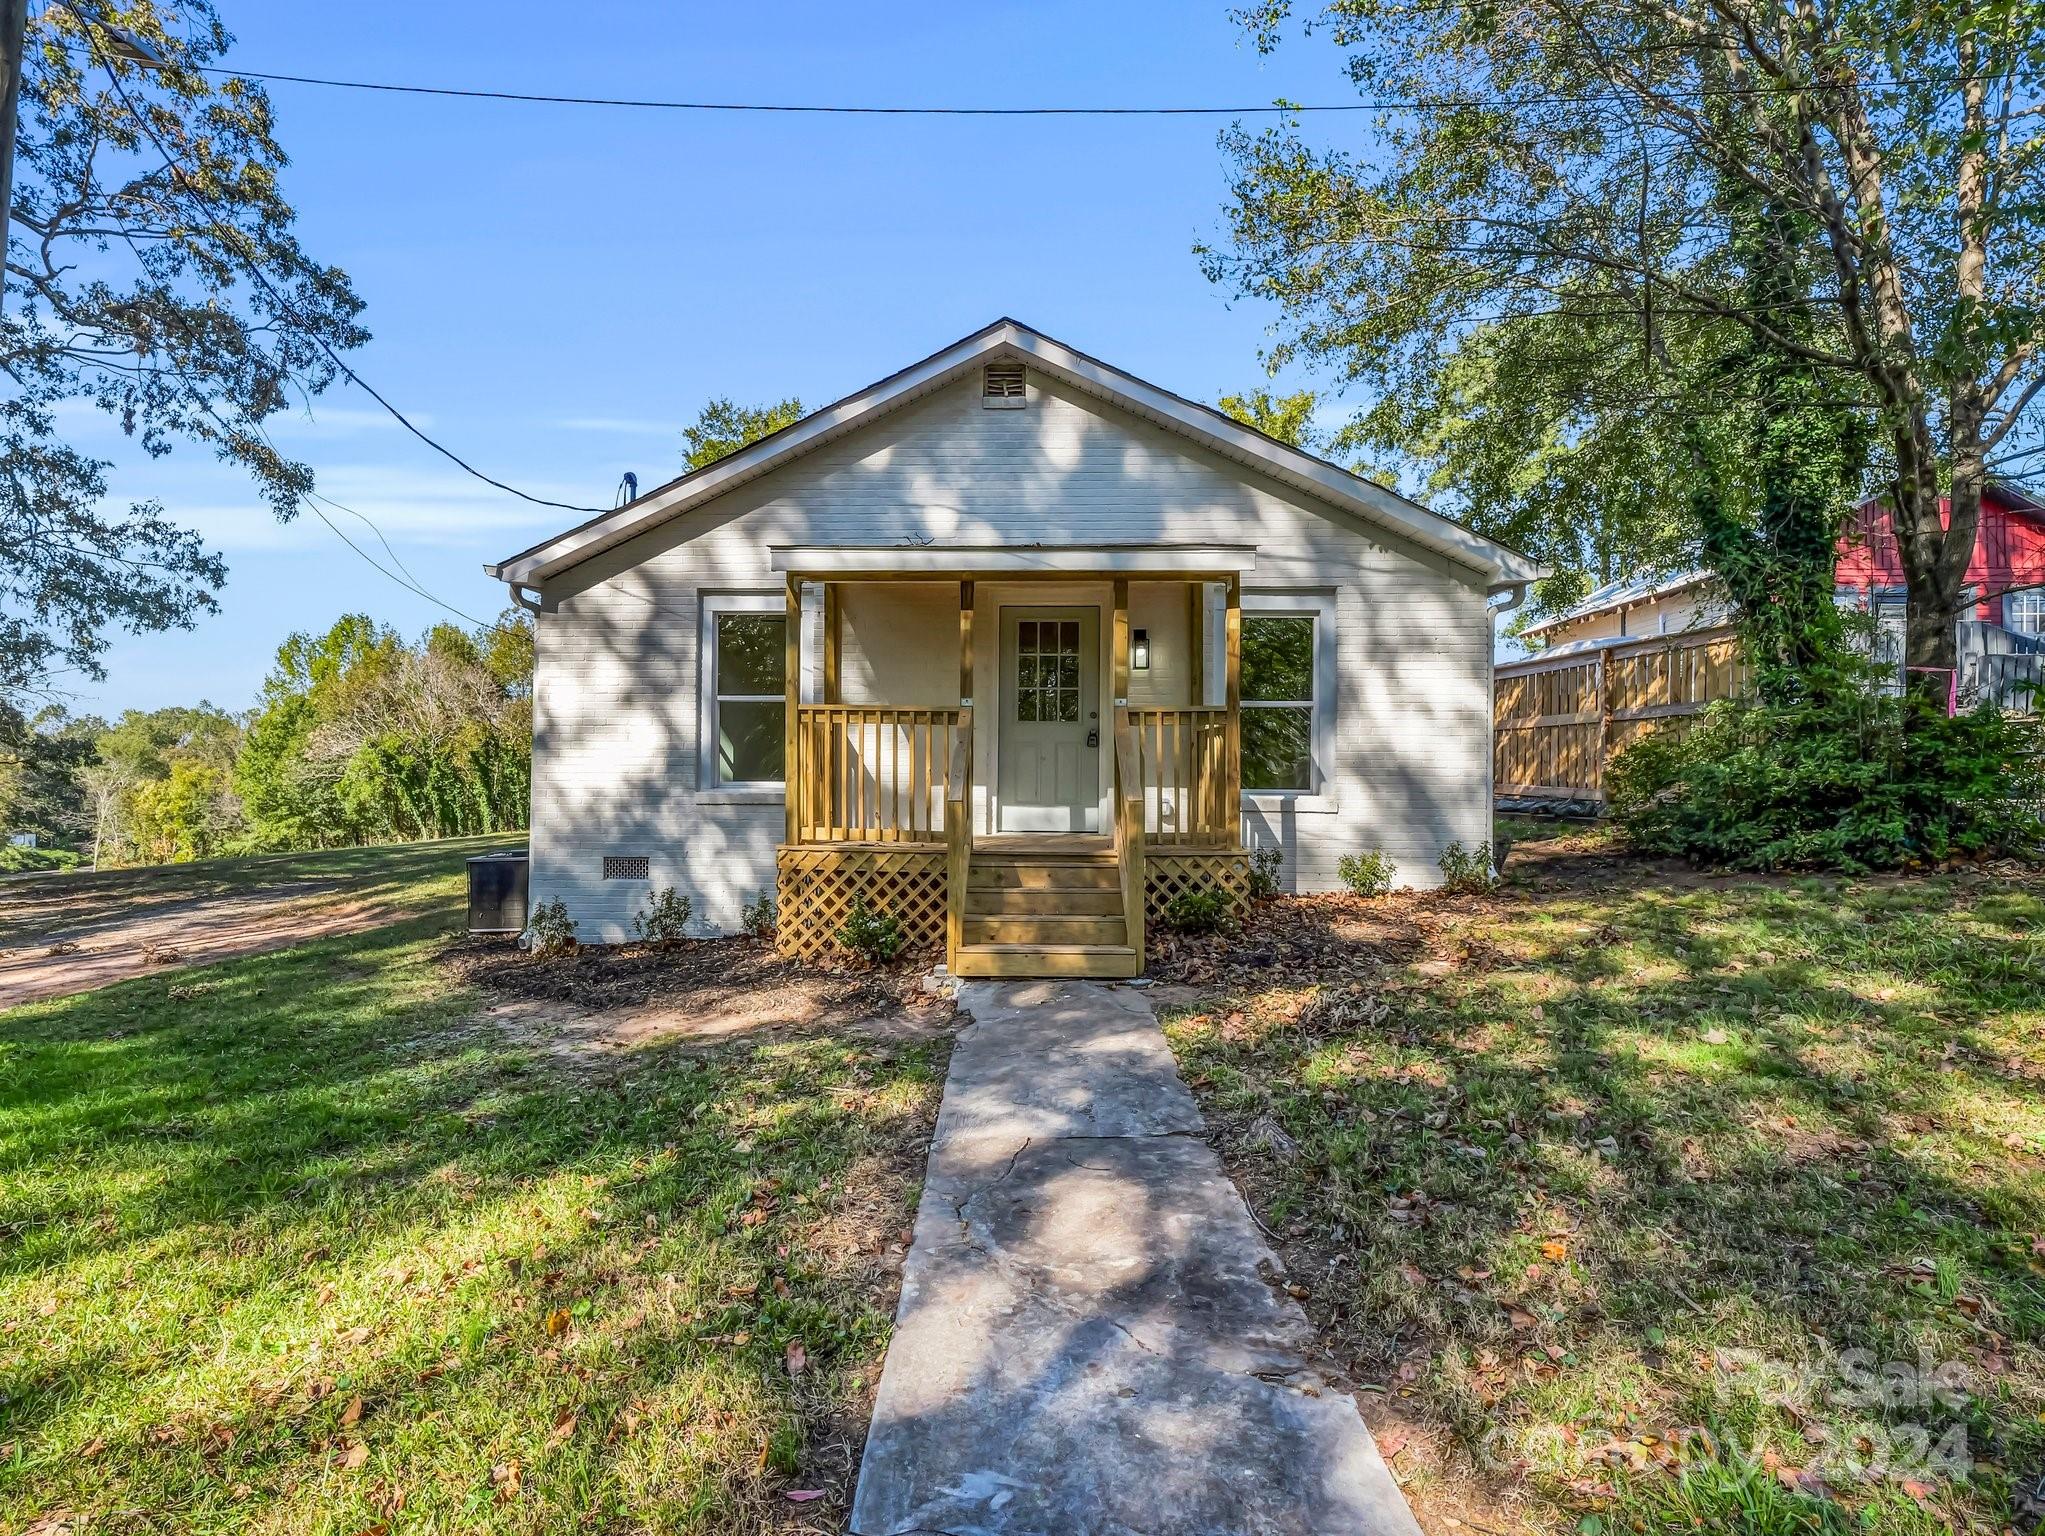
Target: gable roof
[(1623, 593), (1202, 424)]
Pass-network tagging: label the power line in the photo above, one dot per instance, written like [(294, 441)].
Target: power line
[(262, 278), (1261, 109)]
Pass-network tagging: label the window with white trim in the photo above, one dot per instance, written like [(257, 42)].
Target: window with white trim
[(745, 699), (1286, 695), (2024, 611)]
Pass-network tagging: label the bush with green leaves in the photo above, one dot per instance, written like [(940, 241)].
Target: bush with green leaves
[(1266, 863), (1367, 874), (1465, 870), (550, 931), (666, 922), (758, 917), (876, 937), (1844, 778), (1197, 912)]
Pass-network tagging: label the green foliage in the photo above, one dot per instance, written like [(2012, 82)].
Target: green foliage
[(758, 918), (1844, 779), (665, 922), (1367, 874), (876, 937), (1197, 912), (1266, 865), (1289, 418), (14, 861), (363, 738), (550, 931), (1467, 871), (723, 427), (129, 295)]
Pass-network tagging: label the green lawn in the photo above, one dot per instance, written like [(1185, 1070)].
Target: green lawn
[(1652, 1205), (403, 876), (298, 1243)]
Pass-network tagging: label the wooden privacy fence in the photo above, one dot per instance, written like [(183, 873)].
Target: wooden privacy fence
[(870, 773), (1559, 721)]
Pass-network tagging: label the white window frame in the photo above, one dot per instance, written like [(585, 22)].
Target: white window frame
[(710, 786), (1320, 607), (2029, 597)]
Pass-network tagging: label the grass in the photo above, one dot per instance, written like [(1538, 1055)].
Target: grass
[(15, 860), (414, 877), (299, 1243), (1638, 1204)]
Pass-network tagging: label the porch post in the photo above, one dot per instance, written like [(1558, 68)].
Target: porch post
[(1233, 698), (791, 772), (965, 645), (833, 621)]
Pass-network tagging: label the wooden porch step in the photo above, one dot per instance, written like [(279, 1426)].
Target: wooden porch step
[(1057, 929), (1048, 901), (1101, 962), (1069, 873)]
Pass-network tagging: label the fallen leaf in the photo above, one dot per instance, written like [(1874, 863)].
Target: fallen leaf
[(1555, 1250), (1918, 1491), (352, 1414), (1391, 1443), (91, 1448), (797, 1357), (564, 1425), (1519, 1316), (354, 1457), (505, 1477), (557, 1322), (803, 1495), (1412, 1274)]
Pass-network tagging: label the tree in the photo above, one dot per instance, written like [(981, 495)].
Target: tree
[(1289, 418), (723, 427), (132, 289), (1572, 160), (41, 761), (160, 786)]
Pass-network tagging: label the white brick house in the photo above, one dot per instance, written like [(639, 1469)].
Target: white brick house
[(1013, 644)]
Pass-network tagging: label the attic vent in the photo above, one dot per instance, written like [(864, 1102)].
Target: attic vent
[(627, 866), (1003, 386)]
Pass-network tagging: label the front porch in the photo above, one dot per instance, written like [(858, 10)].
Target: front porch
[(1023, 760)]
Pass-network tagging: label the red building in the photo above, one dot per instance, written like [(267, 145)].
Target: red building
[(2007, 571)]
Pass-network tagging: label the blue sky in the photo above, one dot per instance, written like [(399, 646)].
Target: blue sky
[(557, 290)]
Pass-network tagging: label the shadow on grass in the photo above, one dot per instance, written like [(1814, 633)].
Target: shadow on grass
[(236, 1200), (1620, 1208)]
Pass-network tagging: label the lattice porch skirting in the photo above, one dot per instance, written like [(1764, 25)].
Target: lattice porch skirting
[(1168, 871), (816, 887)]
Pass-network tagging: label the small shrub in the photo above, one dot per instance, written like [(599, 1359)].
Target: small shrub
[(1367, 874), (758, 917), (550, 931), (666, 922), (1464, 871), (1848, 779), (1197, 912), (1265, 864), (876, 937)]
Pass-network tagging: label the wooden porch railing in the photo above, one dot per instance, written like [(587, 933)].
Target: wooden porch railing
[(1182, 776), (870, 773), (1129, 833), (958, 834)]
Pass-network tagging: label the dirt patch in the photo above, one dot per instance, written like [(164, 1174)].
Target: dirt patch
[(602, 1000), (81, 955)]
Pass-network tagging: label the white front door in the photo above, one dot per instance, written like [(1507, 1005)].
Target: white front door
[(1050, 732)]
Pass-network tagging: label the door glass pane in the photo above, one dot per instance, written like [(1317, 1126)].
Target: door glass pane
[(1026, 636), (1025, 673), (1068, 637), (1277, 747), (1068, 671), (749, 744), (1068, 704), (752, 653), (1278, 657)]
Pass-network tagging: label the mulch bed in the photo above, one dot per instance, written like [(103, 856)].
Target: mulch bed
[(698, 973)]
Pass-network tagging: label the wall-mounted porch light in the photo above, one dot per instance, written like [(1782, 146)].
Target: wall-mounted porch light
[(1139, 651)]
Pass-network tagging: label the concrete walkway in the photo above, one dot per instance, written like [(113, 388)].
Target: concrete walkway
[(1090, 1341)]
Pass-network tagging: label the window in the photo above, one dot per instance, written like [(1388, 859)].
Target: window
[(745, 702), (1047, 670), (1278, 697), (2024, 611)]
